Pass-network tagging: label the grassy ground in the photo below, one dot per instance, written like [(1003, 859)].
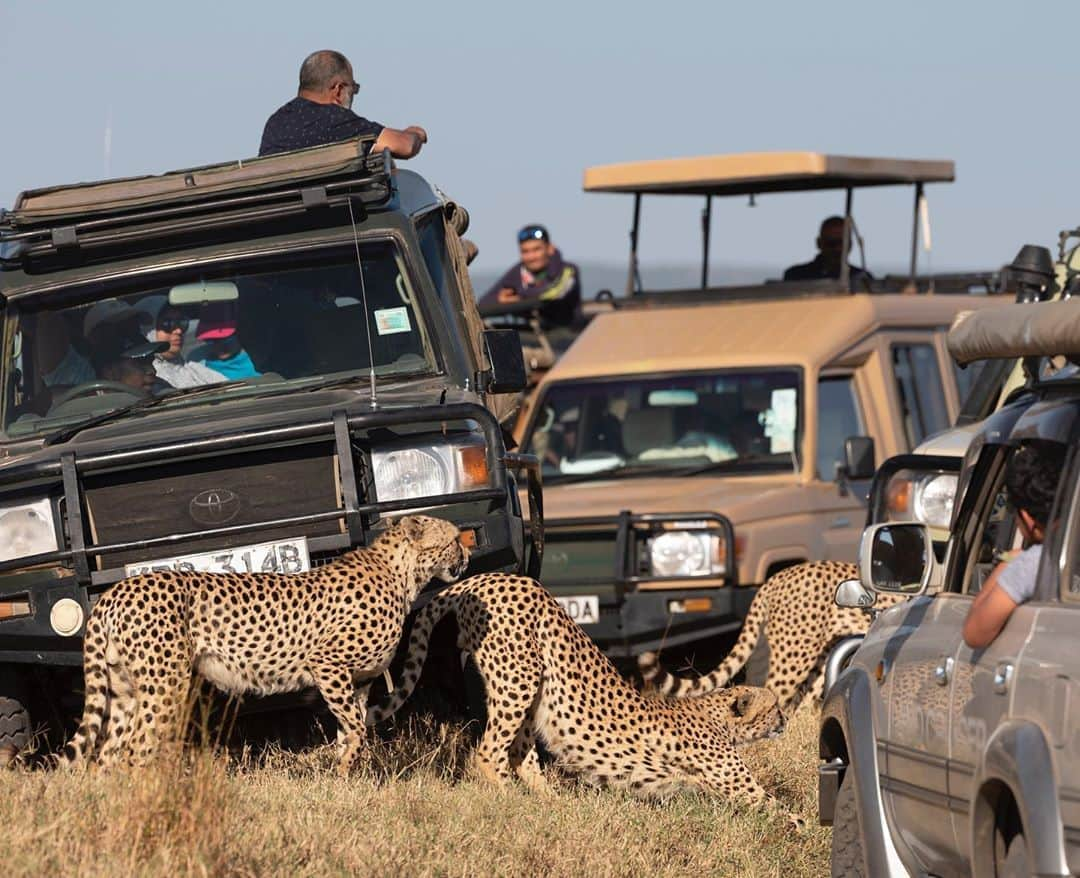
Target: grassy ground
[(414, 811)]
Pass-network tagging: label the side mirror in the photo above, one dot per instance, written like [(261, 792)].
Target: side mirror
[(858, 458), (897, 558), (507, 373), (851, 595)]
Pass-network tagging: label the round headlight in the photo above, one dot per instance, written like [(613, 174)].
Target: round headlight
[(678, 553), (26, 531), (409, 473), (933, 500)]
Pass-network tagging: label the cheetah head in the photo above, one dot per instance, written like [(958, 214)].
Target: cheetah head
[(435, 545), (751, 712)]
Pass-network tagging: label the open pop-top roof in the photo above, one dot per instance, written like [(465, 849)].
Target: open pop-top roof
[(753, 172), (79, 200)]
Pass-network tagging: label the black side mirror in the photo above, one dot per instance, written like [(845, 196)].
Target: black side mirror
[(507, 373), (858, 458)]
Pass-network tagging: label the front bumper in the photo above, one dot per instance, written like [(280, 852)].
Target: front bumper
[(605, 557), (81, 570)]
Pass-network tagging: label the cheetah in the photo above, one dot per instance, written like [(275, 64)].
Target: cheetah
[(545, 679), (335, 628), (797, 610)]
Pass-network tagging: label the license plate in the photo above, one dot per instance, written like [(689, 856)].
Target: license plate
[(281, 556), (583, 609)]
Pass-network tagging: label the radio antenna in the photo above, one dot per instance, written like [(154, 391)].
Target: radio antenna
[(363, 298)]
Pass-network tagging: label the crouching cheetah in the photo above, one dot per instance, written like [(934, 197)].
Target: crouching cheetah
[(335, 628), (545, 678), (797, 610)]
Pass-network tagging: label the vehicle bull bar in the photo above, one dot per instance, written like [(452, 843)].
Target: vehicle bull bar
[(67, 470), (629, 527)]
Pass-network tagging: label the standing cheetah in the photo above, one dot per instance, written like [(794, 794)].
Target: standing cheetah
[(545, 678), (335, 628), (797, 610)]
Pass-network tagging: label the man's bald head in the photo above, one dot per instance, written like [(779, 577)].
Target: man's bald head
[(323, 70)]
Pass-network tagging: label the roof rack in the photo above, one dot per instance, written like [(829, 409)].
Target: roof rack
[(178, 202)]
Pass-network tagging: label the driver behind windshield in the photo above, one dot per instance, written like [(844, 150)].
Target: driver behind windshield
[(129, 361)]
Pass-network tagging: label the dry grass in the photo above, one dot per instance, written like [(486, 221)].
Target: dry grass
[(412, 811)]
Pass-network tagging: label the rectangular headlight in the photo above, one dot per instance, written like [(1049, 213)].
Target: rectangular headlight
[(687, 553), (27, 529), (429, 470)]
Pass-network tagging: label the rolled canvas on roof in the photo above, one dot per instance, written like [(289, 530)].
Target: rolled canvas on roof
[(1043, 329), (88, 198)]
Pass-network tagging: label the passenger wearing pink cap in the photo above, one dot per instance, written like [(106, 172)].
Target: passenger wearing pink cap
[(222, 351)]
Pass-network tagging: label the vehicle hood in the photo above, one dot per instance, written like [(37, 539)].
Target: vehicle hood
[(741, 498), (179, 422)]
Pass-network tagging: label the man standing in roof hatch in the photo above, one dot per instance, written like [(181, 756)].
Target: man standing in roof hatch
[(321, 113), (543, 276)]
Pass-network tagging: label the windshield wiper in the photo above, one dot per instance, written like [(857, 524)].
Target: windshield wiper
[(618, 472), (720, 465), (139, 405)]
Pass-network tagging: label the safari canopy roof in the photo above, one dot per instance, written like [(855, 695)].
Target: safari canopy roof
[(753, 172)]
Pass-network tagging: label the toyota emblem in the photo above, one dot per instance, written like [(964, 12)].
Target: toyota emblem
[(215, 506)]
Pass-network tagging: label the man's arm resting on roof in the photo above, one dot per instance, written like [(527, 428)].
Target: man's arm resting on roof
[(402, 144), (989, 612)]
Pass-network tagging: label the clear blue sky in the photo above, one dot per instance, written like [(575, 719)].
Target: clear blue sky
[(519, 97)]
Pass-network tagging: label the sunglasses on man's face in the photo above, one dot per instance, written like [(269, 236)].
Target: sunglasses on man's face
[(171, 324)]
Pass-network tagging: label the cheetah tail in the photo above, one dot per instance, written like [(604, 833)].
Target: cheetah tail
[(672, 686), (423, 625), (96, 685)]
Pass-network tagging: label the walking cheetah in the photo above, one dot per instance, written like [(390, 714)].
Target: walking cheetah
[(335, 628), (800, 618), (545, 678)]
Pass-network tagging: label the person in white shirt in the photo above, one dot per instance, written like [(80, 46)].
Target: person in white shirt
[(170, 324)]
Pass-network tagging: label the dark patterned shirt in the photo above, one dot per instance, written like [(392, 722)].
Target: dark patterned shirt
[(302, 123)]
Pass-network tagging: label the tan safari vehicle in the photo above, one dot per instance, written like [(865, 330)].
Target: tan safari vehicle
[(695, 442)]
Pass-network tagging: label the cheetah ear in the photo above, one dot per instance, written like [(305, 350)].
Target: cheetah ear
[(413, 527), (741, 705)]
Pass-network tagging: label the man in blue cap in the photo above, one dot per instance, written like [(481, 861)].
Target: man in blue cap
[(543, 276)]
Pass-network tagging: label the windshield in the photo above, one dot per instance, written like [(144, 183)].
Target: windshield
[(274, 322), (745, 421)]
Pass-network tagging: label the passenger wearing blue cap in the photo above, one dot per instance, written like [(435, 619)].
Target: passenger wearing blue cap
[(541, 275)]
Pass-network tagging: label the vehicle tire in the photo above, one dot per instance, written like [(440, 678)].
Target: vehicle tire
[(1011, 858), (15, 729), (848, 852)]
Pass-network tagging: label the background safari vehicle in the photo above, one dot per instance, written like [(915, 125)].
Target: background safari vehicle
[(365, 374), (697, 440), (936, 758)]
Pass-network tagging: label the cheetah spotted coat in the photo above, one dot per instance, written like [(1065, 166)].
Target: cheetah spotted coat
[(800, 618), (335, 628), (545, 678)]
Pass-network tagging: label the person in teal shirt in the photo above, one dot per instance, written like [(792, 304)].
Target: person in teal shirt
[(222, 350)]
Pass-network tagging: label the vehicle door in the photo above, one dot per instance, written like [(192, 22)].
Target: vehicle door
[(982, 680), (841, 503), (921, 667)]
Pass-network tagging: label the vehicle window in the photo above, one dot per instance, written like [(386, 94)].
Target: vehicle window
[(738, 420), (922, 397), (291, 319), (967, 378), (994, 537), (838, 418)]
